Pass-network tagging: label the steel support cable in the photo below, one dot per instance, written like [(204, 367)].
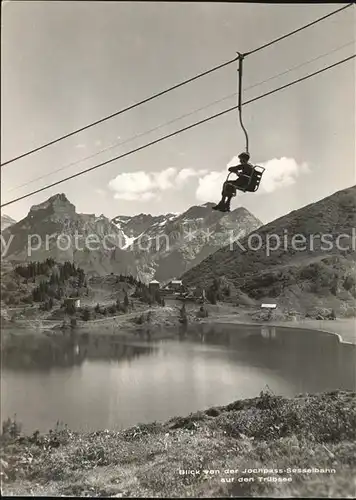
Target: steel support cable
[(186, 115), (121, 111), (50, 143), (193, 125)]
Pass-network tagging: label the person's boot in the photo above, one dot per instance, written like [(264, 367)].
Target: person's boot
[(219, 206)]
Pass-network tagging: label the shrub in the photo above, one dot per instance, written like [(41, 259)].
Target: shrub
[(86, 316), (11, 427), (350, 282)]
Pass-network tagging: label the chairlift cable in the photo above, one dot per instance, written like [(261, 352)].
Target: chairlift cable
[(193, 125), (186, 115), (121, 111), (283, 37), (128, 108)]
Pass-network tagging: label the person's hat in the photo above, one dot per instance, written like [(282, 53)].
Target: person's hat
[(244, 155)]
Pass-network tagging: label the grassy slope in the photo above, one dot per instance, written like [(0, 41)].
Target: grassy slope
[(307, 431)]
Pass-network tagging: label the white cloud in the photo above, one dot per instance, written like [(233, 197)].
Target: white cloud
[(187, 173), (209, 186), (131, 186), (164, 179), (80, 146), (279, 173), (99, 191), (149, 195), (144, 186)]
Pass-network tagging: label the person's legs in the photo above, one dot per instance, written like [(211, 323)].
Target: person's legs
[(227, 204), (228, 192), (222, 202)]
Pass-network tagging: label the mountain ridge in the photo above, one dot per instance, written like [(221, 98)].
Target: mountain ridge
[(177, 242), (146, 246), (6, 221)]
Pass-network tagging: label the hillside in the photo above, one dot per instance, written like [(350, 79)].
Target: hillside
[(38, 292), (268, 446), (317, 272)]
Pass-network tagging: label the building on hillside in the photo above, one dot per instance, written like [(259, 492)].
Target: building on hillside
[(269, 308), (72, 302), (153, 286), (176, 285)]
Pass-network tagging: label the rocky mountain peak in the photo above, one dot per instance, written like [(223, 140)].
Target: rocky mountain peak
[(55, 205)]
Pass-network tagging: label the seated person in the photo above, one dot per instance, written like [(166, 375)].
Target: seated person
[(229, 187)]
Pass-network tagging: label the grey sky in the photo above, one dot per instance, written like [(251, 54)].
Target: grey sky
[(65, 64)]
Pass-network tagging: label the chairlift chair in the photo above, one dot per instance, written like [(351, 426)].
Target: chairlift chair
[(252, 181)]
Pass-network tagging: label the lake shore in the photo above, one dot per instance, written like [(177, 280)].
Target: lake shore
[(166, 319), (345, 329), (310, 439)]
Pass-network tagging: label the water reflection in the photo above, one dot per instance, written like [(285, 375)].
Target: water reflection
[(45, 353), (93, 382), (268, 332), (309, 360)]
